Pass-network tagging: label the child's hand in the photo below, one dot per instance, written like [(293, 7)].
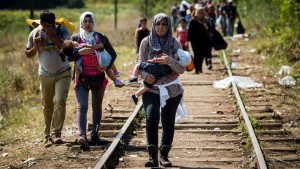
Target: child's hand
[(154, 60), (76, 44)]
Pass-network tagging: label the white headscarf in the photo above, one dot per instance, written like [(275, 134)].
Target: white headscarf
[(84, 35)]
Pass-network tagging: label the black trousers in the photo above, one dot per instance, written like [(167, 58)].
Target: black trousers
[(151, 103), (200, 52)]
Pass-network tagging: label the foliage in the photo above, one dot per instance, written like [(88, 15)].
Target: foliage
[(13, 82), (278, 22), (12, 22)]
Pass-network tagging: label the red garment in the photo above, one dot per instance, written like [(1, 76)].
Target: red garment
[(90, 62), (182, 37)]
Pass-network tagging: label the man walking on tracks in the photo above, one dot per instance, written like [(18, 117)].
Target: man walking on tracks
[(54, 73)]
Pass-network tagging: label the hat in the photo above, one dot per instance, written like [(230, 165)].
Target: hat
[(184, 57)]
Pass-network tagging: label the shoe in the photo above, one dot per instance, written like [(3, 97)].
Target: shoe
[(95, 139), (117, 74), (48, 142), (134, 99), (118, 83), (57, 139), (133, 80), (82, 140), (209, 67)]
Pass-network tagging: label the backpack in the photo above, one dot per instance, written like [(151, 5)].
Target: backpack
[(60, 21)]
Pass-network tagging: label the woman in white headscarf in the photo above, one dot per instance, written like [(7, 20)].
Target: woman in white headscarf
[(91, 78), (161, 44)]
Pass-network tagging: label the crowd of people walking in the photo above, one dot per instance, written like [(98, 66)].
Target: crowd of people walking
[(199, 19), (160, 61)]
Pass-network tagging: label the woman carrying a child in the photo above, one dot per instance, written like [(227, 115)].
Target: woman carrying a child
[(92, 76), (162, 45)]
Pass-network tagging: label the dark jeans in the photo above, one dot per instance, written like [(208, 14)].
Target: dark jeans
[(82, 97), (200, 52), (151, 103), (208, 58), (157, 70), (174, 22)]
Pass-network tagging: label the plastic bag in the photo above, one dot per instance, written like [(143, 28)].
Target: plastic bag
[(191, 66), (243, 82), (287, 81)]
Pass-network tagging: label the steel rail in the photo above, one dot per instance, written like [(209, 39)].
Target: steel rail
[(119, 136), (256, 145)]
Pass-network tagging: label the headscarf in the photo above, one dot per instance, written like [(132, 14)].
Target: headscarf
[(88, 37), (204, 19), (161, 44)]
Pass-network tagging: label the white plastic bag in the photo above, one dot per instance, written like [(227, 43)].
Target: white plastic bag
[(243, 82), (287, 81), (285, 70), (180, 113)]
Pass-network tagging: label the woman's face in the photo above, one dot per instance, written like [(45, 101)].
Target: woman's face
[(161, 27), (200, 13), (143, 24), (88, 24)]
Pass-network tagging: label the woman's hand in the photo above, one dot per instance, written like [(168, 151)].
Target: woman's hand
[(164, 59), (150, 78)]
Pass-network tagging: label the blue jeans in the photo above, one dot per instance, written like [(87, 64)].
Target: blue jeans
[(230, 28), (151, 103), (82, 96), (174, 22)]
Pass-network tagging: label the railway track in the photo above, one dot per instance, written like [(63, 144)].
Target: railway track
[(220, 132)]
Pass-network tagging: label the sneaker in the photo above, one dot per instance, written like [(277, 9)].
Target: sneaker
[(133, 80), (95, 139), (134, 99), (57, 139), (81, 140), (209, 67), (118, 83), (48, 142), (117, 74)]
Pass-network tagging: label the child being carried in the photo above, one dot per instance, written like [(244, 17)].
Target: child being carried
[(157, 70), (71, 47)]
